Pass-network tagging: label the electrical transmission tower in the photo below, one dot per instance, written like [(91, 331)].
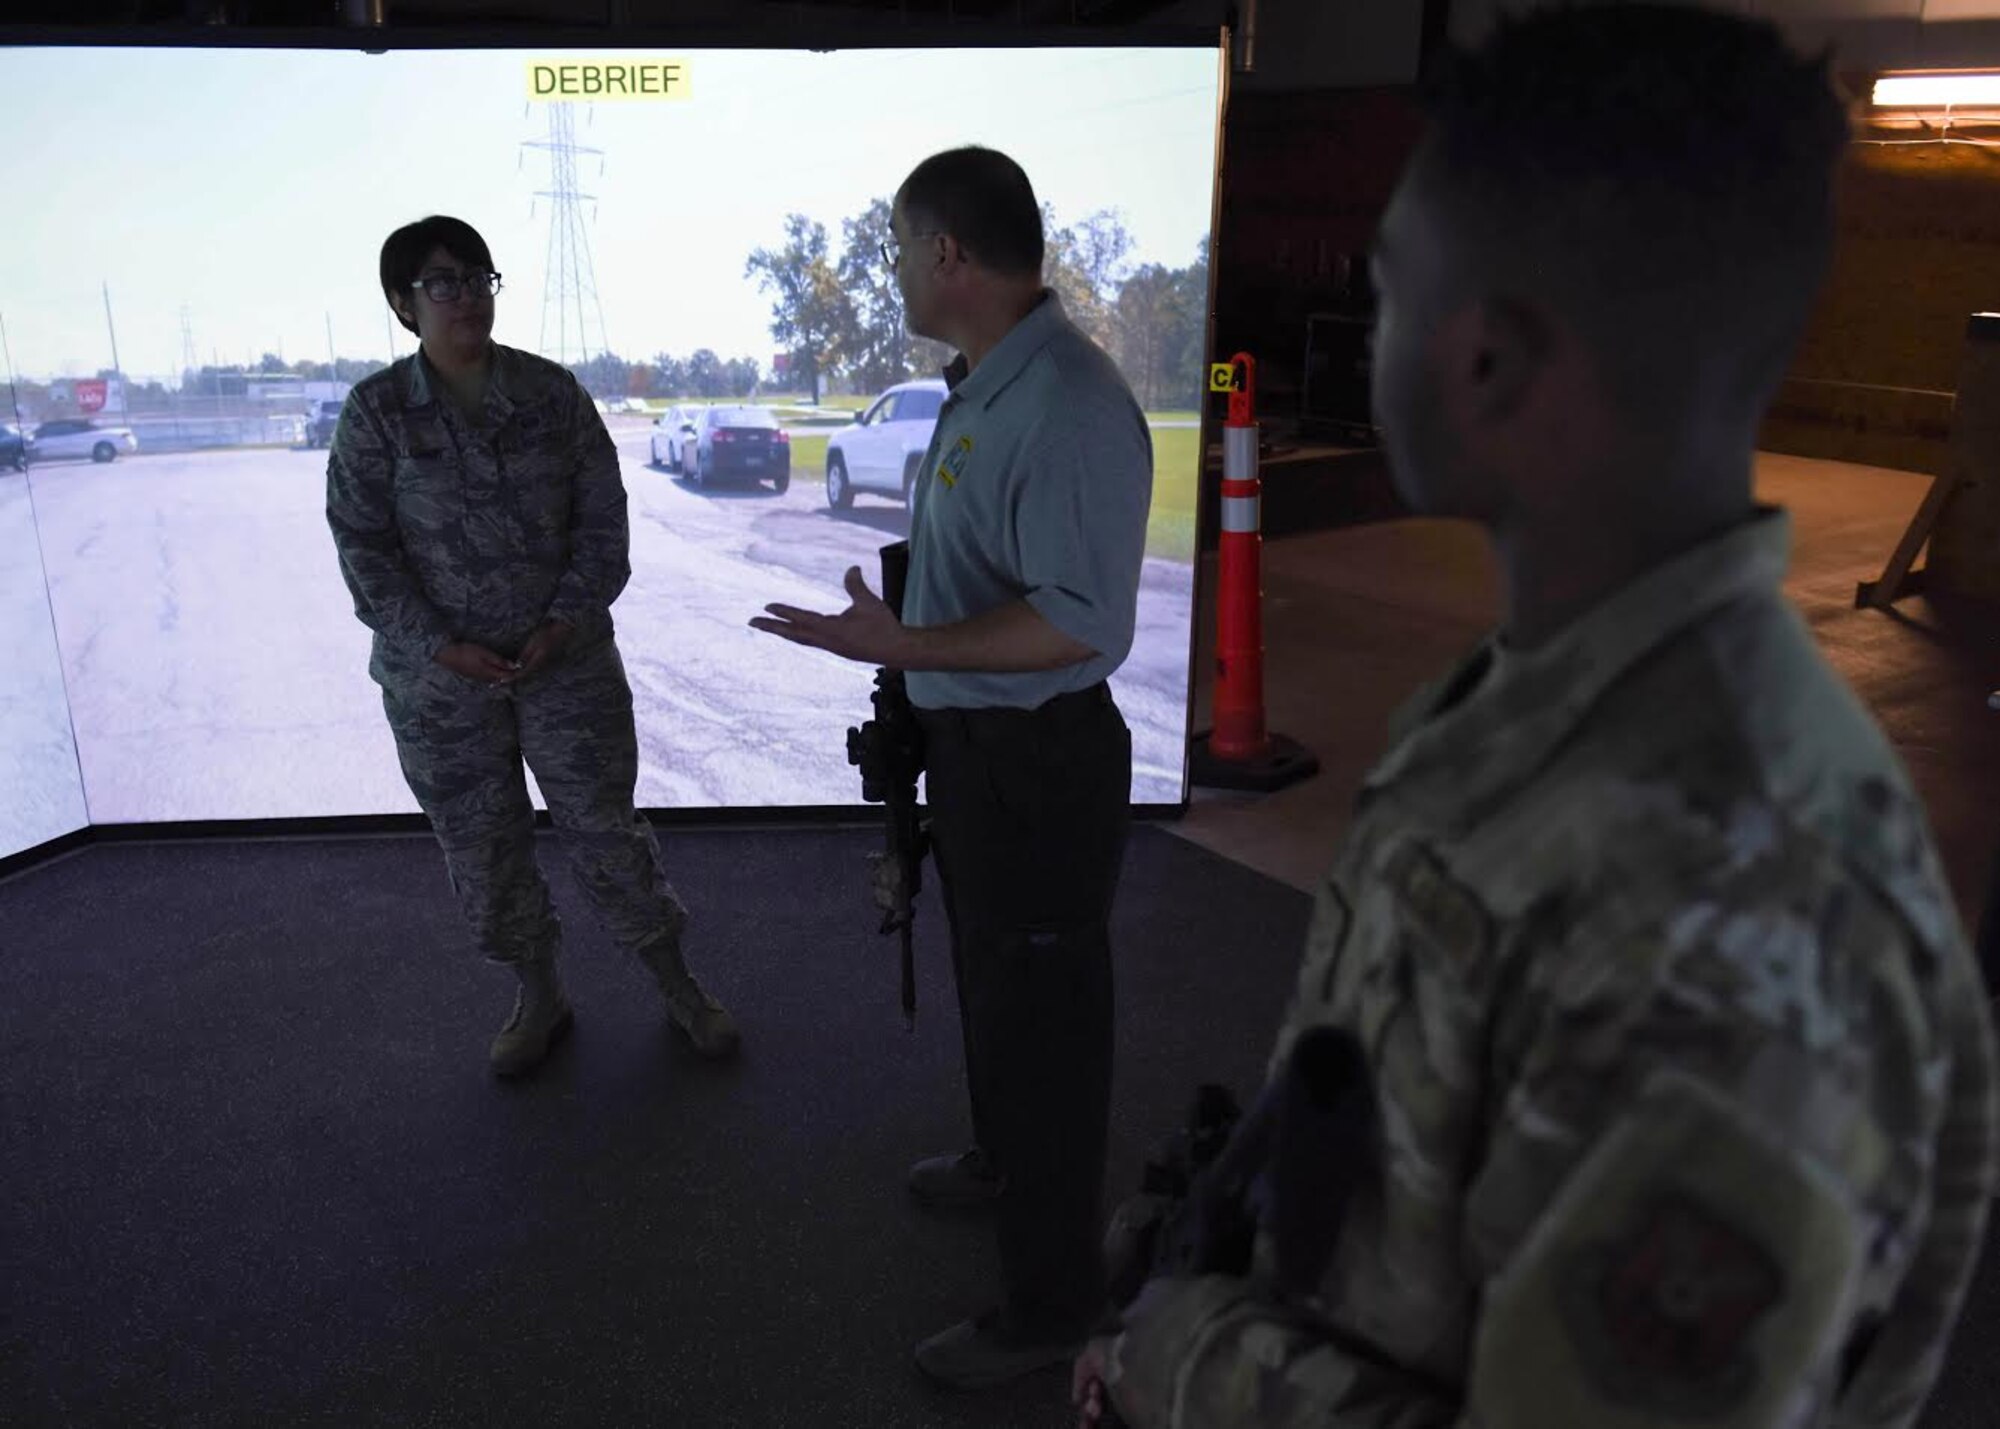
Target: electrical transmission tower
[(190, 366), (570, 307)]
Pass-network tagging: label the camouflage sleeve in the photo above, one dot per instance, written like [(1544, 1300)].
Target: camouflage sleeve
[(1689, 1267), (600, 541), (1678, 1206), (1213, 1353), (1903, 1362), (1695, 1264), (361, 510), (1715, 1161)]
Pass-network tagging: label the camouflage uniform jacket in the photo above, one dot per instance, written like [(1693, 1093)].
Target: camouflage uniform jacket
[(452, 530), (1683, 1076)]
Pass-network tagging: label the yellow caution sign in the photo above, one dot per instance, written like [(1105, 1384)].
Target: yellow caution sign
[(572, 79), (1222, 377)]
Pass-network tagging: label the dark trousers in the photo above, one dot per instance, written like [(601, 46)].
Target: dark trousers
[(1029, 814)]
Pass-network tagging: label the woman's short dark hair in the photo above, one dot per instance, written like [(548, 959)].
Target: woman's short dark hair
[(404, 252), (983, 199)]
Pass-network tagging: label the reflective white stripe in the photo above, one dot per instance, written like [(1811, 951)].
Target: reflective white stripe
[(1240, 513), (1239, 453)]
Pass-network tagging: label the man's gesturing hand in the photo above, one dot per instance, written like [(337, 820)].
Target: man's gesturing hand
[(867, 630)]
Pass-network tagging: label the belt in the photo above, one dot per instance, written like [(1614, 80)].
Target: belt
[(1056, 709)]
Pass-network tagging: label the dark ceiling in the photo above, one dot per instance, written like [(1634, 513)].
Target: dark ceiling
[(777, 15)]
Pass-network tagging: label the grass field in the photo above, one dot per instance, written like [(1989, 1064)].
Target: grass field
[(1170, 527), (808, 457)]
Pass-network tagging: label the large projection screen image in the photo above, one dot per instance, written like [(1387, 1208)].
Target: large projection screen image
[(41, 793), (193, 292)]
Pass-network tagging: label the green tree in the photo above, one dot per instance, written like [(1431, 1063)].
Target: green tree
[(1102, 244), (881, 350), (1159, 332), (705, 376), (605, 377), (1084, 265), (876, 352), (1142, 320), (811, 316), (1188, 353)]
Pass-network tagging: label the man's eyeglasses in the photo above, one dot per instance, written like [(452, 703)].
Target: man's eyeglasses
[(445, 287), (893, 249)]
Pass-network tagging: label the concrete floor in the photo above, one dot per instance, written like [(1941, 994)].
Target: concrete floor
[(1356, 618)]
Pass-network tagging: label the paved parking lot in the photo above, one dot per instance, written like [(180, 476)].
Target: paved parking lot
[(213, 667)]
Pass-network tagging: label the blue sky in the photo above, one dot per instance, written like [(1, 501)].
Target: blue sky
[(254, 187)]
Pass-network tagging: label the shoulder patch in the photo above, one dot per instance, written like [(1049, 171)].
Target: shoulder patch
[(1690, 1269), (1667, 1309)]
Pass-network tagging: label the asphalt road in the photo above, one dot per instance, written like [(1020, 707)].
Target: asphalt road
[(213, 669)]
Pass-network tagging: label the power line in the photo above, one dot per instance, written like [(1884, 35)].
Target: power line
[(569, 290), (112, 328)]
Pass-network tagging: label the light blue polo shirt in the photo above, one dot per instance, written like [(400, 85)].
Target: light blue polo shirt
[(1037, 485)]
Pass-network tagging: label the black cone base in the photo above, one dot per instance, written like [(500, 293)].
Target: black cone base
[(1284, 761)]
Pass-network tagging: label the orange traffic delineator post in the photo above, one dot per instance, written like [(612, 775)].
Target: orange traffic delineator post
[(1239, 752)]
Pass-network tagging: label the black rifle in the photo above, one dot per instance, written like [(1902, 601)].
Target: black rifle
[(889, 750), (1289, 1165), (1133, 1245)]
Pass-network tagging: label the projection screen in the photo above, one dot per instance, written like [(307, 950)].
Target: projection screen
[(192, 291)]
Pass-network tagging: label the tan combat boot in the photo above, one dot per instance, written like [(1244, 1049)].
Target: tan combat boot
[(700, 1017)]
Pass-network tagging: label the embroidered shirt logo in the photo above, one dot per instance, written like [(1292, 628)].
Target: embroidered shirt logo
[(952, 467)]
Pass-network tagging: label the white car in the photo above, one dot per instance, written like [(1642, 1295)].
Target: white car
[(883, 448), (82, 437), (674, 437)]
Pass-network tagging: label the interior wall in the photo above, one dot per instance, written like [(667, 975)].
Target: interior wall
[(1918, 251), (1306, 176), (1307, 171)]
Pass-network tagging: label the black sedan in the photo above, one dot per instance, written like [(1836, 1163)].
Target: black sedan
[(742, 442), (16, 447)]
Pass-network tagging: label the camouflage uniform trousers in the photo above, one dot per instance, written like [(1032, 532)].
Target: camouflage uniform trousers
[(462, 746)]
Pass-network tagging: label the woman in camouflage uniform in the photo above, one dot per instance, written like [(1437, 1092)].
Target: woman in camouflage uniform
[(477, 507)]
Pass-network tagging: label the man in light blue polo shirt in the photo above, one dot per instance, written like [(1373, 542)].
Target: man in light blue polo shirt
[(1026, 538)]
